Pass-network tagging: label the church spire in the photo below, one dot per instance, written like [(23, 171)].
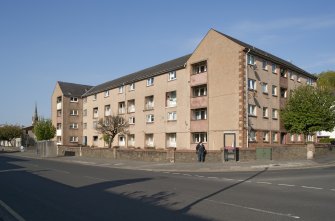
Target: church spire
[(35, 117)]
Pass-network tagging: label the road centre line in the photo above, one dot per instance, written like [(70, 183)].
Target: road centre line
[(264, 183), (11, 211), (312, 187), (254, 209), (284, 184), (212, 177)]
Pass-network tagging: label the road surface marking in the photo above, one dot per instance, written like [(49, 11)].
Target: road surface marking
[(283, 184), (312, 187), (185, 174), (264, 183), (255, 209), (228, 179), (11, 170), (166, 172), (95, 178), (199, 176), (176, 173), (212, 177), (332, 189), (11, 211)]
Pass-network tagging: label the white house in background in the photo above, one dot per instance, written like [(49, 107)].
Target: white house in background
[(322, 134)]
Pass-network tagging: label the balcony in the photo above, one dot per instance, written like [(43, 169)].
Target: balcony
[(197, 79), (59, 106), (199, 125), (59, 132), (199, 102)]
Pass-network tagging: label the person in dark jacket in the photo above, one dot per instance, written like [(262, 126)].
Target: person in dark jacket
[(201, 151)]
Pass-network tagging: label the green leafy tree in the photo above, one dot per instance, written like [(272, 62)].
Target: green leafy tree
[(308, 110), (326, 80), (10, 133), (44, 130), (110, 126)]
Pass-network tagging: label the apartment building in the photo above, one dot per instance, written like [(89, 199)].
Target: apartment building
[(66, 112), (226, 93)]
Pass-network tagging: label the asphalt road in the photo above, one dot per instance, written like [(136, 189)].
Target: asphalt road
[(33, 189)]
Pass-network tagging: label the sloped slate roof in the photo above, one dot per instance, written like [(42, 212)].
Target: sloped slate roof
[(262, 53), (156, 70), (71, 89)]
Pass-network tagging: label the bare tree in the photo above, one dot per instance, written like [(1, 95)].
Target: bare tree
[(110, 126)]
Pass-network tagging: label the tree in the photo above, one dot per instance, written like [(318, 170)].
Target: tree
[(327, 80), (44, 130), (308, 110), (110, 126), (10, 132)]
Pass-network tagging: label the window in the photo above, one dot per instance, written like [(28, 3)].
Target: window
[(252, 110), (132, 87), (59, 99), (172, 116), (283, 73), (95, 124), (291, 74), (274, 114), (283, 92), (310, 138), (108, 111), (251, 84), (73, 139), (298, 137), (274, 90), (149, 140), (171, 99), (150, 118), (150, 81), (85, 126), (106, 93), (131, 140), (59, 113), (266, 136), (74, 126), (149, 102), (121, 89), (171, 140), (251, 59), (131, 120), (265, 112), (265, 65), (131, 106), (200, 67), (199, 114), (299, 79), (274, 68), (95, 112), (274, 137), (292, 137), (95, 139), (74, 112), (197, 137), (264, 87), (85, 112), (59, 126), (252, 136), (59, 139), (172, 75), (199, 91), (94, 97), (310, 81), (122, 141), (122, 107), (73, 99)]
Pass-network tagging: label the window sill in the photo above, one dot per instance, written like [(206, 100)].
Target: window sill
[(267, 118), (250, 115)]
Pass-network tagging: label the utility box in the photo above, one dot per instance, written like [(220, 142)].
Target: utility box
[(231, 153), (263, 153)]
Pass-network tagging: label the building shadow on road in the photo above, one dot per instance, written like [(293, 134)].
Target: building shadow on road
[(188, 207), (40, 198)]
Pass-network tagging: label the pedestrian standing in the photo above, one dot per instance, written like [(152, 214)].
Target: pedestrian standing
[(201, 151)]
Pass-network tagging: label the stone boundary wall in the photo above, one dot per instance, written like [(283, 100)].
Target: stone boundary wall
[(174, 155)]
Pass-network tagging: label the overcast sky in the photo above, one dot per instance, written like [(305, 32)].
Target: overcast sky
[(93, 41)]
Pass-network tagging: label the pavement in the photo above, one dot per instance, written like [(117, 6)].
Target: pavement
[(324, 161)]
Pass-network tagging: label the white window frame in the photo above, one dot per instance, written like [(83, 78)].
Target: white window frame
[(274, 113), (131, 140), (251, 59), (131, 106), (122, 107), (274, 68), (199, 136), (171, 140), (150, 81), (265, 65), (172, 76), (95, 97), (265, 88), (199, 91), (121, 89), (149, 140), (74, 99), (265, 112), (131, 120), (74, 126), (200, 67), (108, 110), (265, 136), (274, 90), (149, 102), (252, 136), (200, 114), (73, 139), (74, 112), (106, 93), (95, 112), (274, 137), (171, 99), (283, 95), (252, 84), (252, 110), (150, 118), (172, 116), (122, 141), (132, 87)]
